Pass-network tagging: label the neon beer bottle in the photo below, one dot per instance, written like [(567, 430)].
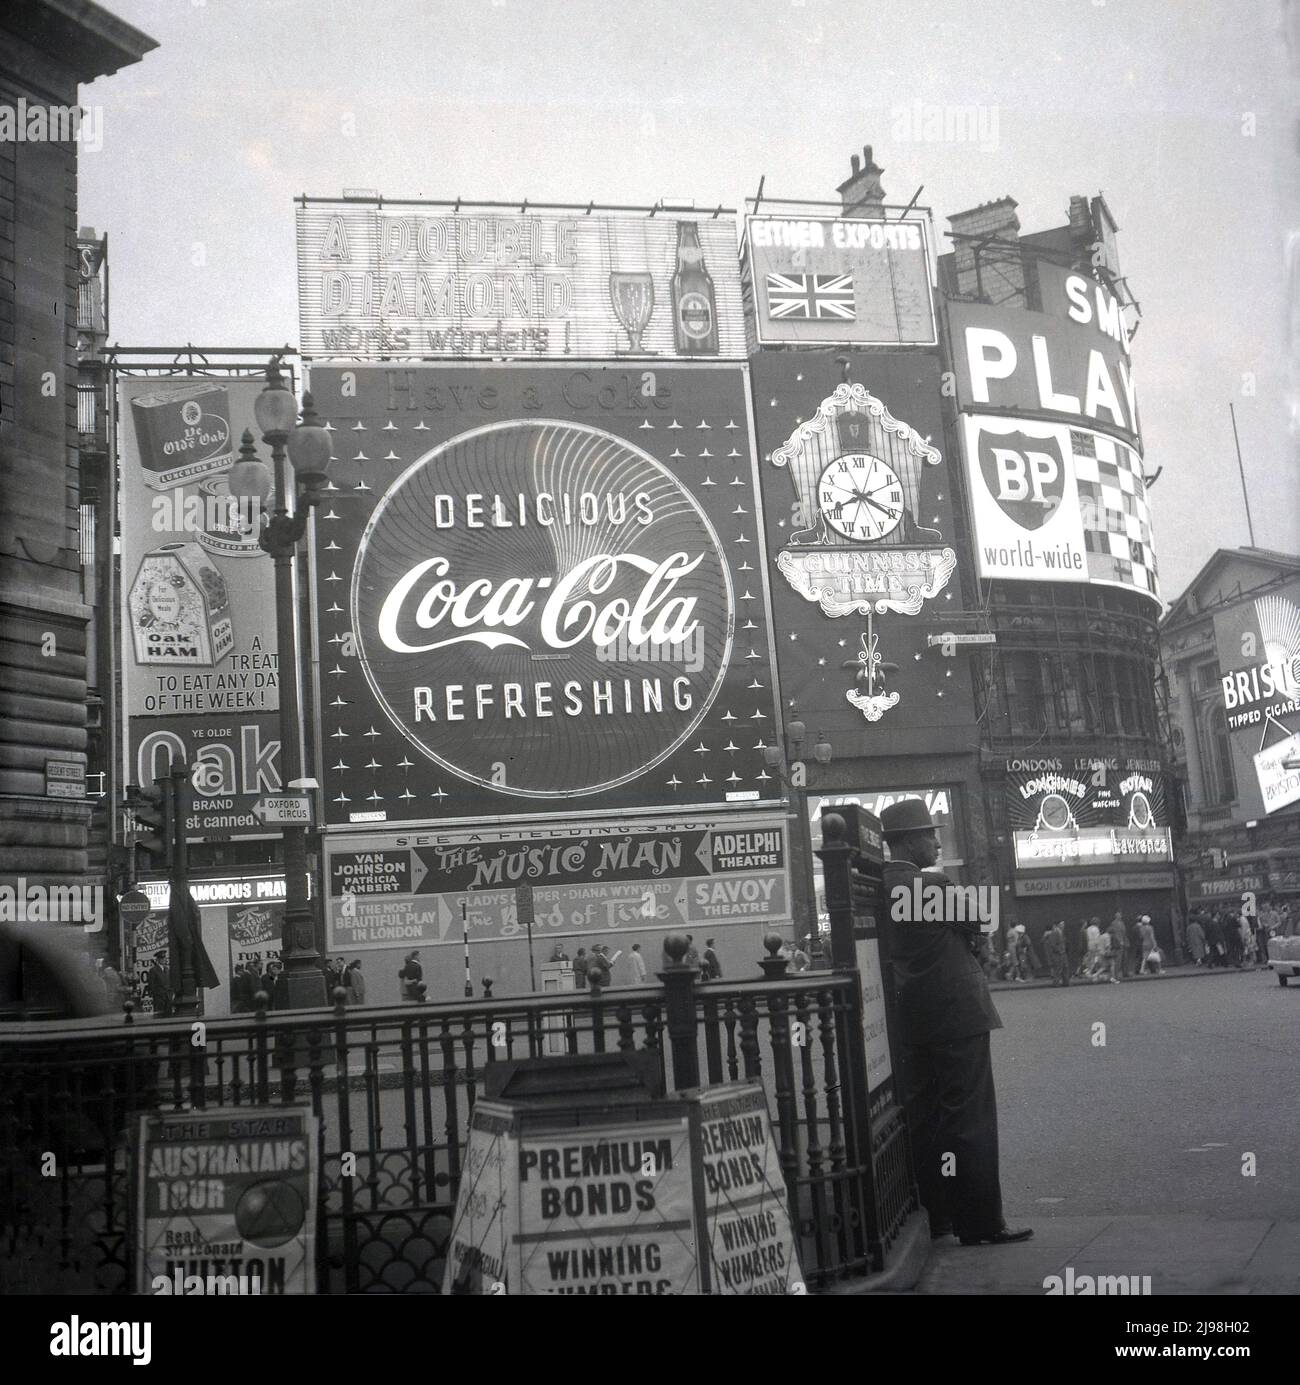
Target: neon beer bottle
[(695, 314)]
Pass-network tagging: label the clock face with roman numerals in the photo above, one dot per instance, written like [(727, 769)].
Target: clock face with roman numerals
[(860, 496)]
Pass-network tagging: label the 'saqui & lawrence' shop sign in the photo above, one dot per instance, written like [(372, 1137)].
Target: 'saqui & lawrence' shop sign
[(536, 584), (384, 282)]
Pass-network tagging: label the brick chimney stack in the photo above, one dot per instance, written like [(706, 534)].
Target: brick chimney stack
[(999, 276), (861, 193)]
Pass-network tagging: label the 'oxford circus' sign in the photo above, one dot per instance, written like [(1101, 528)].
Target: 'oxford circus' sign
[(540, 607)]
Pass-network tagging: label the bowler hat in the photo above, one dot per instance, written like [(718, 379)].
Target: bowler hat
[(907, 815)]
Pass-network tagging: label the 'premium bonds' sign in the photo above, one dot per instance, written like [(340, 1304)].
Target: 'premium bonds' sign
[(839, 282), (535, 584), (583, 878), (384, 282)]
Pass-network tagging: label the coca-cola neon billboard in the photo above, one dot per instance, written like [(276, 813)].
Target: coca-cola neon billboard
[(543, 551), (540, 586)]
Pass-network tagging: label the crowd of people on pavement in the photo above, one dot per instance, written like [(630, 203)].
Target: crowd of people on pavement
[(1087, 951)]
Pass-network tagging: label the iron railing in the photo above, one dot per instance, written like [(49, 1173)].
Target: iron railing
[(394, 1087)]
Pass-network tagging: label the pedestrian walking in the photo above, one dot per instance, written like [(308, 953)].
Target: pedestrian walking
[(1148, 951), (1055, 955), (1246, 932), (1196, 940), (637, 963), (1118, 947), (1134, 955), (1105, 959), (580, 964), (712, 967), (945, 1016), (1084, 947), (159, 988), (355, 983), (799, 959), (1094, 953), (411, 975), (691, 957)]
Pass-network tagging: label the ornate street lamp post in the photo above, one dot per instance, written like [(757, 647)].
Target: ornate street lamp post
[(307, 445), (795, 779)]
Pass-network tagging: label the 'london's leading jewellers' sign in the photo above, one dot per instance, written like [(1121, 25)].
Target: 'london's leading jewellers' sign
[(403, 281), (535, 585)]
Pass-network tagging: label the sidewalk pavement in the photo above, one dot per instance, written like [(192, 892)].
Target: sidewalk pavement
[(1183, 1253), (1169, 974)]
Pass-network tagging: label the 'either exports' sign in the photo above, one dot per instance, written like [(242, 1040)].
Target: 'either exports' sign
[(583, 877), (537, 584), (839, 281), (401, 283)]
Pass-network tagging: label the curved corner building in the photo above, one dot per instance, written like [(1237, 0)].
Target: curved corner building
[(1046, 418)]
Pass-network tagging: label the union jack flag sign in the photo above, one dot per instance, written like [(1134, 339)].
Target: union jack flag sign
[(810, 296)]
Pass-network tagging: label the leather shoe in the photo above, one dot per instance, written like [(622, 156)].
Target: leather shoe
[(1005, 1236)]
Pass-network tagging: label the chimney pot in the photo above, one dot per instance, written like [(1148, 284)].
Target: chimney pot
[(866, 155), (854, 164)]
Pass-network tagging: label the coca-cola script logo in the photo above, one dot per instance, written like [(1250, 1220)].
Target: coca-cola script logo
[(541, 608)]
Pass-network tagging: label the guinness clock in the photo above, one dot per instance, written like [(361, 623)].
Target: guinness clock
[(860, 496)]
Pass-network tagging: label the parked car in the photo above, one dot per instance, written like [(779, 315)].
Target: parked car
[(1284, 958)]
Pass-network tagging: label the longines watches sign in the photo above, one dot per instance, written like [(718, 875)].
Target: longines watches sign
[(382, 281), (534, 585), (1102, 812)]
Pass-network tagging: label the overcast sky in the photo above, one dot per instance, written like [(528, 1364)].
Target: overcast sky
[(1180, 111)]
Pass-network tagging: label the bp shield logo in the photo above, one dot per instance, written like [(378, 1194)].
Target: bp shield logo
[(542, 609), (1026, 476)]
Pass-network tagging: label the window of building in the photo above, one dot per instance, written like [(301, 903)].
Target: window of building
[(1219, 778)]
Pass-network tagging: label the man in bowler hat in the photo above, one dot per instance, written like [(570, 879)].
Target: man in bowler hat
[(945, 1015)]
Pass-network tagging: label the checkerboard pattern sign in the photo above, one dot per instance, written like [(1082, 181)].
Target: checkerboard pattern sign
[(1113, 507)]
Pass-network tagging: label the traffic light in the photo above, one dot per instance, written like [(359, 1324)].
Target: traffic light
[(155, 823)]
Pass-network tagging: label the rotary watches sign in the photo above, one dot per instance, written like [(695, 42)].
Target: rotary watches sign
[(536, 587)]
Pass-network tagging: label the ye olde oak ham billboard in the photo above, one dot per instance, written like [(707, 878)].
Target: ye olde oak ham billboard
[(199, 667), (540, 587), (383, 281), (583, 878)]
